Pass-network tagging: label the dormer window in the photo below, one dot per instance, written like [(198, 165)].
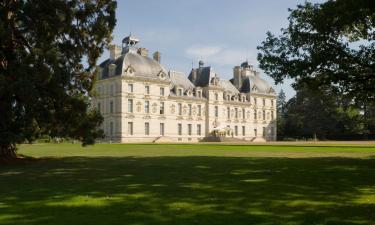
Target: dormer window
[(188, 93), (129, 71), (198, 93), (161, 75), (215, 81), (112, 69), (99, 73), (254, 89), (179, 92)]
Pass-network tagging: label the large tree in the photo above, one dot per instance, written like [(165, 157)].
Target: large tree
[(48, 52), (321, 113), (331, 43)]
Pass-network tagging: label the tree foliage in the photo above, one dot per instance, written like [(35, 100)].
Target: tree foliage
[(331, 43), (322, 114), (48, 52)]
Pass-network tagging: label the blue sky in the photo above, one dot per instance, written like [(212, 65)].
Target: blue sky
[(223, 33)]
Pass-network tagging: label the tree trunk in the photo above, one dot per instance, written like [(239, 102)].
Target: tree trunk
[(8, 151)]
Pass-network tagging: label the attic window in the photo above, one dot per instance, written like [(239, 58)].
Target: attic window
[(215, 81), (161, 75), (112, 69), (129, 70), (198, 94), (179, 92)]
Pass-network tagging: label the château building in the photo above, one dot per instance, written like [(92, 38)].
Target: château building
[(143, 102)]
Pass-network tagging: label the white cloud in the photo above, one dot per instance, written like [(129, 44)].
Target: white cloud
[(202, 51), (221, 56)]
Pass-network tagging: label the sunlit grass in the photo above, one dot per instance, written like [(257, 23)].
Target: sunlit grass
[(190, 184)]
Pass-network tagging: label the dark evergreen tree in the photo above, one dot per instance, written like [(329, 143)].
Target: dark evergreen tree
[(48, 52)]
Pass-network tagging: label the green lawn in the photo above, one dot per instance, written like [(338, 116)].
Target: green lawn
[(148, 184)]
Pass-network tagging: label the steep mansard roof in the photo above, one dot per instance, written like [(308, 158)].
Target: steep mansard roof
[(257, 85), (143, 66), (228, 86), (180, 79), (202, 76)]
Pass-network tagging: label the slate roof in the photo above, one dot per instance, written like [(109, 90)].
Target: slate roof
[(228, 86), (204, 76), (261, 85), (180, 79), (143, 66)]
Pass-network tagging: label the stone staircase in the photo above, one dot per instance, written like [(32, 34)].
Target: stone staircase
[(222, 139), (231, 139), (162, 139)]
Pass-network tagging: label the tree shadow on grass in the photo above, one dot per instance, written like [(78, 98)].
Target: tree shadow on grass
[(189, 190)]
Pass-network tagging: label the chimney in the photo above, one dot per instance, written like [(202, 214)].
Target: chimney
[(237, 75), (114, 52), (143, 52), (157, 56), (193, 76)]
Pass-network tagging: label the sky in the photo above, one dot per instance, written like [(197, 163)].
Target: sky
[(222, 33)]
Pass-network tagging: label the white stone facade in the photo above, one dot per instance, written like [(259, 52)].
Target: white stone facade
[(142, 102)]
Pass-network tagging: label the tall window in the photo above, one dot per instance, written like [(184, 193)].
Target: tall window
[(189, 129), (179, 129), (161, 107), (189, 105), (236, 130), (243, 114), (147, 128), (264, 114), (162, 91), (130, 128), (111, 90), (216, 111), (264, 131), (180, 92), (236, 112), (216, 96), (111, 106), (243, 131), (111, 128), (272, 115), (179, 108), (199, 129), (130, 88), (264, 102), (162, 129), (147, 89), (255, 132), (228, 109), (199, 110), (255, 115), (147, 106), (272, 131), (199, 94), (272, 102), (255, 101), (130, 105), (99, 107)]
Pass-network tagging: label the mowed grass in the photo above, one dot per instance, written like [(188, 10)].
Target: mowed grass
[(205, 184)]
